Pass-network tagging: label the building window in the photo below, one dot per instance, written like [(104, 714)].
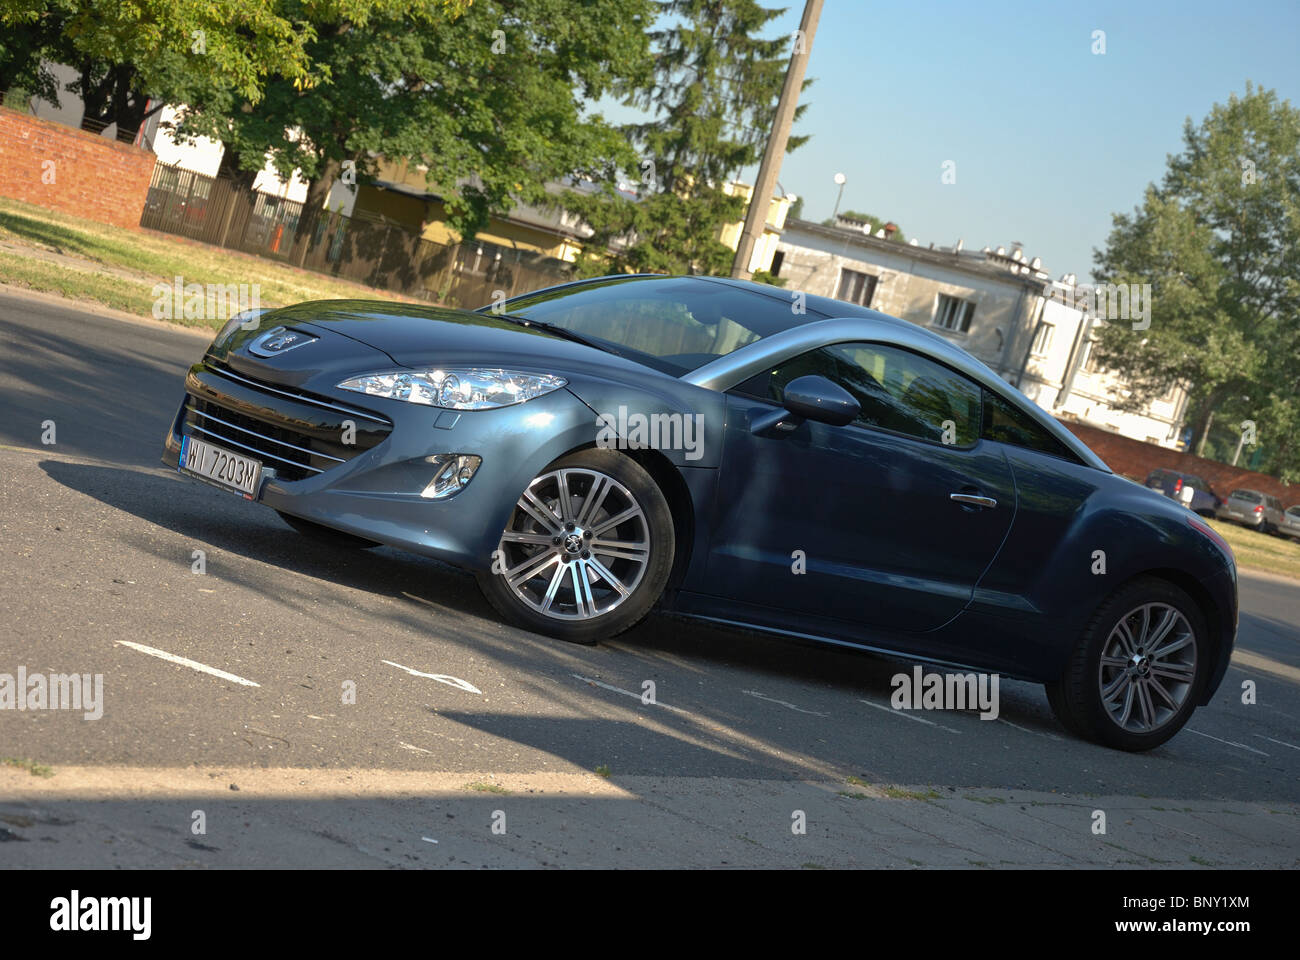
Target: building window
[(1089, 357), (778, 258), (1043, 339), (953, 314), (856, 287)]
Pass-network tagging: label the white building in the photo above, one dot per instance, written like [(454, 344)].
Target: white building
[(999, 305)]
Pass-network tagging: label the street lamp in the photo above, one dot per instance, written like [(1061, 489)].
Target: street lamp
[(841, 180)]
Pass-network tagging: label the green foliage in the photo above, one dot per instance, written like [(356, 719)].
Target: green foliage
[(1219, 242), (492, 100), (711, 99), (875, 221), (764, 276), (126, 51)]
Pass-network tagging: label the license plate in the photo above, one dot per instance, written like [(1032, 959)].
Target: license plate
[(220, 466)]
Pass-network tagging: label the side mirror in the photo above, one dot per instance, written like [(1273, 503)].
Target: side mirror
[(816, 398)]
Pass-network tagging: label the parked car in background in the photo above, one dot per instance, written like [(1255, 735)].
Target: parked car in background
[(1187, 488), (1252, 509), (1290, 525)]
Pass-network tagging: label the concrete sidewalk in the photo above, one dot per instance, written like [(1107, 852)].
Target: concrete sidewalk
[(124, 817)]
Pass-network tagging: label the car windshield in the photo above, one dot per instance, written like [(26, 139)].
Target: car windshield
[(1250, 496), (674, 324)]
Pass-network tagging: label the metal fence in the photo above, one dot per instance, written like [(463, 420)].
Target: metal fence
[(380, 254)]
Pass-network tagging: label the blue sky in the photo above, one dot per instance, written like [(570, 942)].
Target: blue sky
[(1048, 139)]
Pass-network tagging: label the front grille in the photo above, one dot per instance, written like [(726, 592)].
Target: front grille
[(292, 434)]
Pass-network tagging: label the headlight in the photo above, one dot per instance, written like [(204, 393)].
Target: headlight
[(248, 319), (456, 388)]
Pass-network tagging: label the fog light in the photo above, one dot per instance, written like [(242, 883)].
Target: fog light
[(451, 473)]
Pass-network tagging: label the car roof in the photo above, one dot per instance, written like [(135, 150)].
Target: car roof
[(836, 321)]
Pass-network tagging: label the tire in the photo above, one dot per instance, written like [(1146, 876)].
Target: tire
[(323, 534), (1091, 698), (547, 553)]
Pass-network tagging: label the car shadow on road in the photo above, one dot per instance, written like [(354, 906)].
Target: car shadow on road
[(758, 677)]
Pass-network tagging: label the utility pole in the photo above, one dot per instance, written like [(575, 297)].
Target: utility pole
[(770, 168)]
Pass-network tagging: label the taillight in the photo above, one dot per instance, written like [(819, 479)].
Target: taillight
[(1259, 509), (1178, 485), (1204, 528)]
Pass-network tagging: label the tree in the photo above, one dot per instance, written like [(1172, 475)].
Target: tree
[(877, 223), (126, 52), (1219, 242), (492, 101), (710, 100), (22, 46)]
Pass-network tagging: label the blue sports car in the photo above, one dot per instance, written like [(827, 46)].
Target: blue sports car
[(732, 452)]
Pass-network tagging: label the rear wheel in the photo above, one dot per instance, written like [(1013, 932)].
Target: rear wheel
[(1138, 669), (587, 550)]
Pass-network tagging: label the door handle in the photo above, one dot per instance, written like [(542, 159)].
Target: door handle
[(973, 500)]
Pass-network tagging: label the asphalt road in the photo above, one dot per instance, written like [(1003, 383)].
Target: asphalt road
[(98, 544)]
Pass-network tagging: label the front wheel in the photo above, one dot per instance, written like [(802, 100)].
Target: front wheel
[(1138, 669), (587, 550)]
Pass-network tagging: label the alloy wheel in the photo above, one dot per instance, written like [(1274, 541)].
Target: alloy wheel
[(577, 545), (1147, 668)]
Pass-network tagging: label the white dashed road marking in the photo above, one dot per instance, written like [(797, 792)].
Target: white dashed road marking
[(1228, 742), (783, 703), (450, 681), (908, 716), (1280, 743), (1037, 733), (184, 662), (626, 693)]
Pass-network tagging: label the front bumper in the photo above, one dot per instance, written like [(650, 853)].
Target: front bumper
[(371, 488)]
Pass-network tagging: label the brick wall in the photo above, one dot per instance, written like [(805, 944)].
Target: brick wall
[(1136, 458), (92, 176)]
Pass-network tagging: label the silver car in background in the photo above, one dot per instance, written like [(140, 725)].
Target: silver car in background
[(1290, 525), (1252, 509)]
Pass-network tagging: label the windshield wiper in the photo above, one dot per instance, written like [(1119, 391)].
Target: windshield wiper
[(559, 332)]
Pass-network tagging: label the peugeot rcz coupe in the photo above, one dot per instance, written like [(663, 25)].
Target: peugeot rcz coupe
[(733, 452)]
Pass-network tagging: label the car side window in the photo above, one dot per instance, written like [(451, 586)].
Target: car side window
[(1005, 423), (898, 390)]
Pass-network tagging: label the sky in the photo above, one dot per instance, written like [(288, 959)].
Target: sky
[(1048, 139)]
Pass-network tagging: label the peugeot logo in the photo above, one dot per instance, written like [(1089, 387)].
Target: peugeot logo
[(277, 341)]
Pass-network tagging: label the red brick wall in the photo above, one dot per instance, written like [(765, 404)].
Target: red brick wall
[(93, 176), (1136, 458)]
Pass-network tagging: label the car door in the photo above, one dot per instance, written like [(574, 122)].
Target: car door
[(859, 523)]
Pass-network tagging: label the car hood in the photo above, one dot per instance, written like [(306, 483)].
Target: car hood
[(416, 336)]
